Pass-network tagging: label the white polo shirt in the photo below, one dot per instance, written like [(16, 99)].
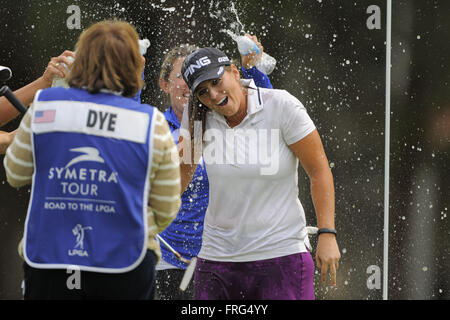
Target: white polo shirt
[(254, 212)]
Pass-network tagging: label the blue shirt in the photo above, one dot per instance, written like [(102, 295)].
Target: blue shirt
[(261, 79), (184, 234)]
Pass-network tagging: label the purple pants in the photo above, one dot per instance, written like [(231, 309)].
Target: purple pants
[(283, 278)]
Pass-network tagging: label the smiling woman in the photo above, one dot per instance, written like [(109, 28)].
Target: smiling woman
[(171, 81), (255, 232), (185, 232), (223, 96)]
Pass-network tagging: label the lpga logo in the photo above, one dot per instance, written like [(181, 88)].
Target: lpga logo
[(78, 232)]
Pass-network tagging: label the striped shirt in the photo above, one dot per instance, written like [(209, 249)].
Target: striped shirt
[(164, 195)]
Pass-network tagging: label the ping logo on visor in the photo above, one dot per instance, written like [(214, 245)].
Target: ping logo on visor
[(190, 70), (202, 65)]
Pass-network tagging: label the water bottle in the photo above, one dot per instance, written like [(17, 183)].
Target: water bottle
[(61, 82), (246, 46), (143, 46)]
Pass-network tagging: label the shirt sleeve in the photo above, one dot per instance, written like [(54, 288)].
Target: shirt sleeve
[(18, 161), (260, 78), (295, 121), (164, 196)]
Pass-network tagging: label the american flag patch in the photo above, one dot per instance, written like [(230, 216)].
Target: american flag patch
[(45, 116)]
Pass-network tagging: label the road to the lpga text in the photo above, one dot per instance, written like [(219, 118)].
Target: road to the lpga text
[(227, 309)]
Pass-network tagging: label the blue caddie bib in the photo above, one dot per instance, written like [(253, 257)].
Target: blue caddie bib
[(92, 160)]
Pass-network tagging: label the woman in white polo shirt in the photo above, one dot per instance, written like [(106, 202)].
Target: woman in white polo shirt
[(252, 141)]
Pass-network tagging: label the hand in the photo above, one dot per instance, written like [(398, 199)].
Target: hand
[(250, 60), (327, 256), (54, 67), (6, 139)]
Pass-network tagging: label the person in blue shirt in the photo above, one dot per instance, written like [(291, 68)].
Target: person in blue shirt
[(104, 172), (184, 234)]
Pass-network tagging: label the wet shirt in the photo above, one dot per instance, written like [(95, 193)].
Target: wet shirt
[(185, 233), (254, 212)]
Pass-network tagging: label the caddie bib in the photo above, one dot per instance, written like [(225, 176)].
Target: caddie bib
[(89, 195)]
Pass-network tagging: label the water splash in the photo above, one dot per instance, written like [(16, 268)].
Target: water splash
[(228, 15), (233, 35), (234, 11)]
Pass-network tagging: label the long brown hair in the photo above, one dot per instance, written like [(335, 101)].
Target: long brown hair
[(108, 57), (197, 114)]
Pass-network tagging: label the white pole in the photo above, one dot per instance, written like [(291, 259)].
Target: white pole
[(387, 148)]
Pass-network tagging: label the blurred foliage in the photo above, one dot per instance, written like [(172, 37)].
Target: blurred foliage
[(335, 65)]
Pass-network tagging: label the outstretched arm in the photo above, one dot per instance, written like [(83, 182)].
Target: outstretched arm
[(26, 93)]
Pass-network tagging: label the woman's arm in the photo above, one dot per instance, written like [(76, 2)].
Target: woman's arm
[(18, 161), (187, 168), (164, 195), (311, 155), (26, 93)]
